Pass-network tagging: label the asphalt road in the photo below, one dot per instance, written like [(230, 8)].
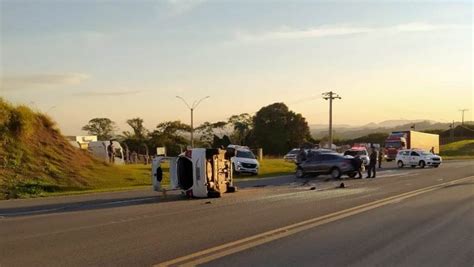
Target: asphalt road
[(312, 223)]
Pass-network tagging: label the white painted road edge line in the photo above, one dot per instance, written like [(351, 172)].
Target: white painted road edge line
[(220, 251)]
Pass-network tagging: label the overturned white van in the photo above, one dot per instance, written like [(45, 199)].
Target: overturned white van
[(198, 172)]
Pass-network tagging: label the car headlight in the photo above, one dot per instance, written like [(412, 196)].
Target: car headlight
[(239, 163)]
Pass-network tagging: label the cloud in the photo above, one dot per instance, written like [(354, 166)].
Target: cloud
[(424, 27), (180, 7), (110, 93), (35, 81), (286, 33)]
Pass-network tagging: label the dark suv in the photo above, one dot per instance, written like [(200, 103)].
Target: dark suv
[(328, 163)]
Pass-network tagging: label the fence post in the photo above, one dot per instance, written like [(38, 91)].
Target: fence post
[(260, 154)]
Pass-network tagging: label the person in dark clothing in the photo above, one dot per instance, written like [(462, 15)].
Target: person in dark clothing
[(111, 152), (381, 156), (301, 156), (372, 165), (357, 163)]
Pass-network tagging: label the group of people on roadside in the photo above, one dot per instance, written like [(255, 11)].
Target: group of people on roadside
[(374, 158)]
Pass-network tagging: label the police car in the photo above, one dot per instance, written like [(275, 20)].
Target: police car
[(417, 157)]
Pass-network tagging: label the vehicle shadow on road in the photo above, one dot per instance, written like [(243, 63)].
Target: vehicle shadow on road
[(43, 209)]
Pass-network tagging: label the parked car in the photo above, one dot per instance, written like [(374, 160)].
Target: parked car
[(415, 157), (361, 152), (243, 160), (326, 163), (292, 155)]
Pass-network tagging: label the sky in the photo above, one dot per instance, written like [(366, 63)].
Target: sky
[(77, 60)]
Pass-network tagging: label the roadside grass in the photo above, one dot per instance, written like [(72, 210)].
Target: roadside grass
[(138, 176), (104, 178), (458, 150), (272, 167)]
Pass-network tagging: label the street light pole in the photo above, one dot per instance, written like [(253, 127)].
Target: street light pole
[(330, 96), (192, 108)]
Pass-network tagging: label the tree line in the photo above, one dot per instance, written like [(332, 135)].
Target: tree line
[(274, 128)]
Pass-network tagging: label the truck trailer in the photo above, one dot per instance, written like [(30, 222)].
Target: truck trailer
[(410, 140)]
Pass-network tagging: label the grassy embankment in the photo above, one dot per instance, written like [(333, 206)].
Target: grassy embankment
[(36, 160), (458, 150)]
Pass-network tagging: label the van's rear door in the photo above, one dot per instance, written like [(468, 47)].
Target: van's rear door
[(157, 175)]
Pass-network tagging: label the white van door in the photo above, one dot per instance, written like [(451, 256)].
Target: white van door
[(157, 175), (199, 172)]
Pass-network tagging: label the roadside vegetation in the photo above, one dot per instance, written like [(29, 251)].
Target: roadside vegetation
[(36, 160), (460, 149)]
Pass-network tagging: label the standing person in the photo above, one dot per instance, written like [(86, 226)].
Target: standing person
[(301, 156), (111, 152), (358, 165), (381, 156), (372, 165), (432, 151)]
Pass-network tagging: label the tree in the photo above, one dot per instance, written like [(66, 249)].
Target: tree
[(139, 131), (242, 125), (169, 135), (277, 129), (207, 131), (103, 128)]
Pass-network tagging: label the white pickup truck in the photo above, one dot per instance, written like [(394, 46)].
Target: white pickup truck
[(198, 172)]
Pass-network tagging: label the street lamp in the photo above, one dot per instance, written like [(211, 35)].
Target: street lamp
[(192, 108)]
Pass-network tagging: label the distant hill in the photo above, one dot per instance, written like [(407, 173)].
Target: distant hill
[(347, 132)]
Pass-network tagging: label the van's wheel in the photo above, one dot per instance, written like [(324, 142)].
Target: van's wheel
[(422, 164), (336, 173), (231, 189), (300, 173), (400, 164), (213, 194), (436, 166)]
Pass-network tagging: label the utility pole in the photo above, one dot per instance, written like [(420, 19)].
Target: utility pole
[(330, 96), (463, 110), (192, 108)]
